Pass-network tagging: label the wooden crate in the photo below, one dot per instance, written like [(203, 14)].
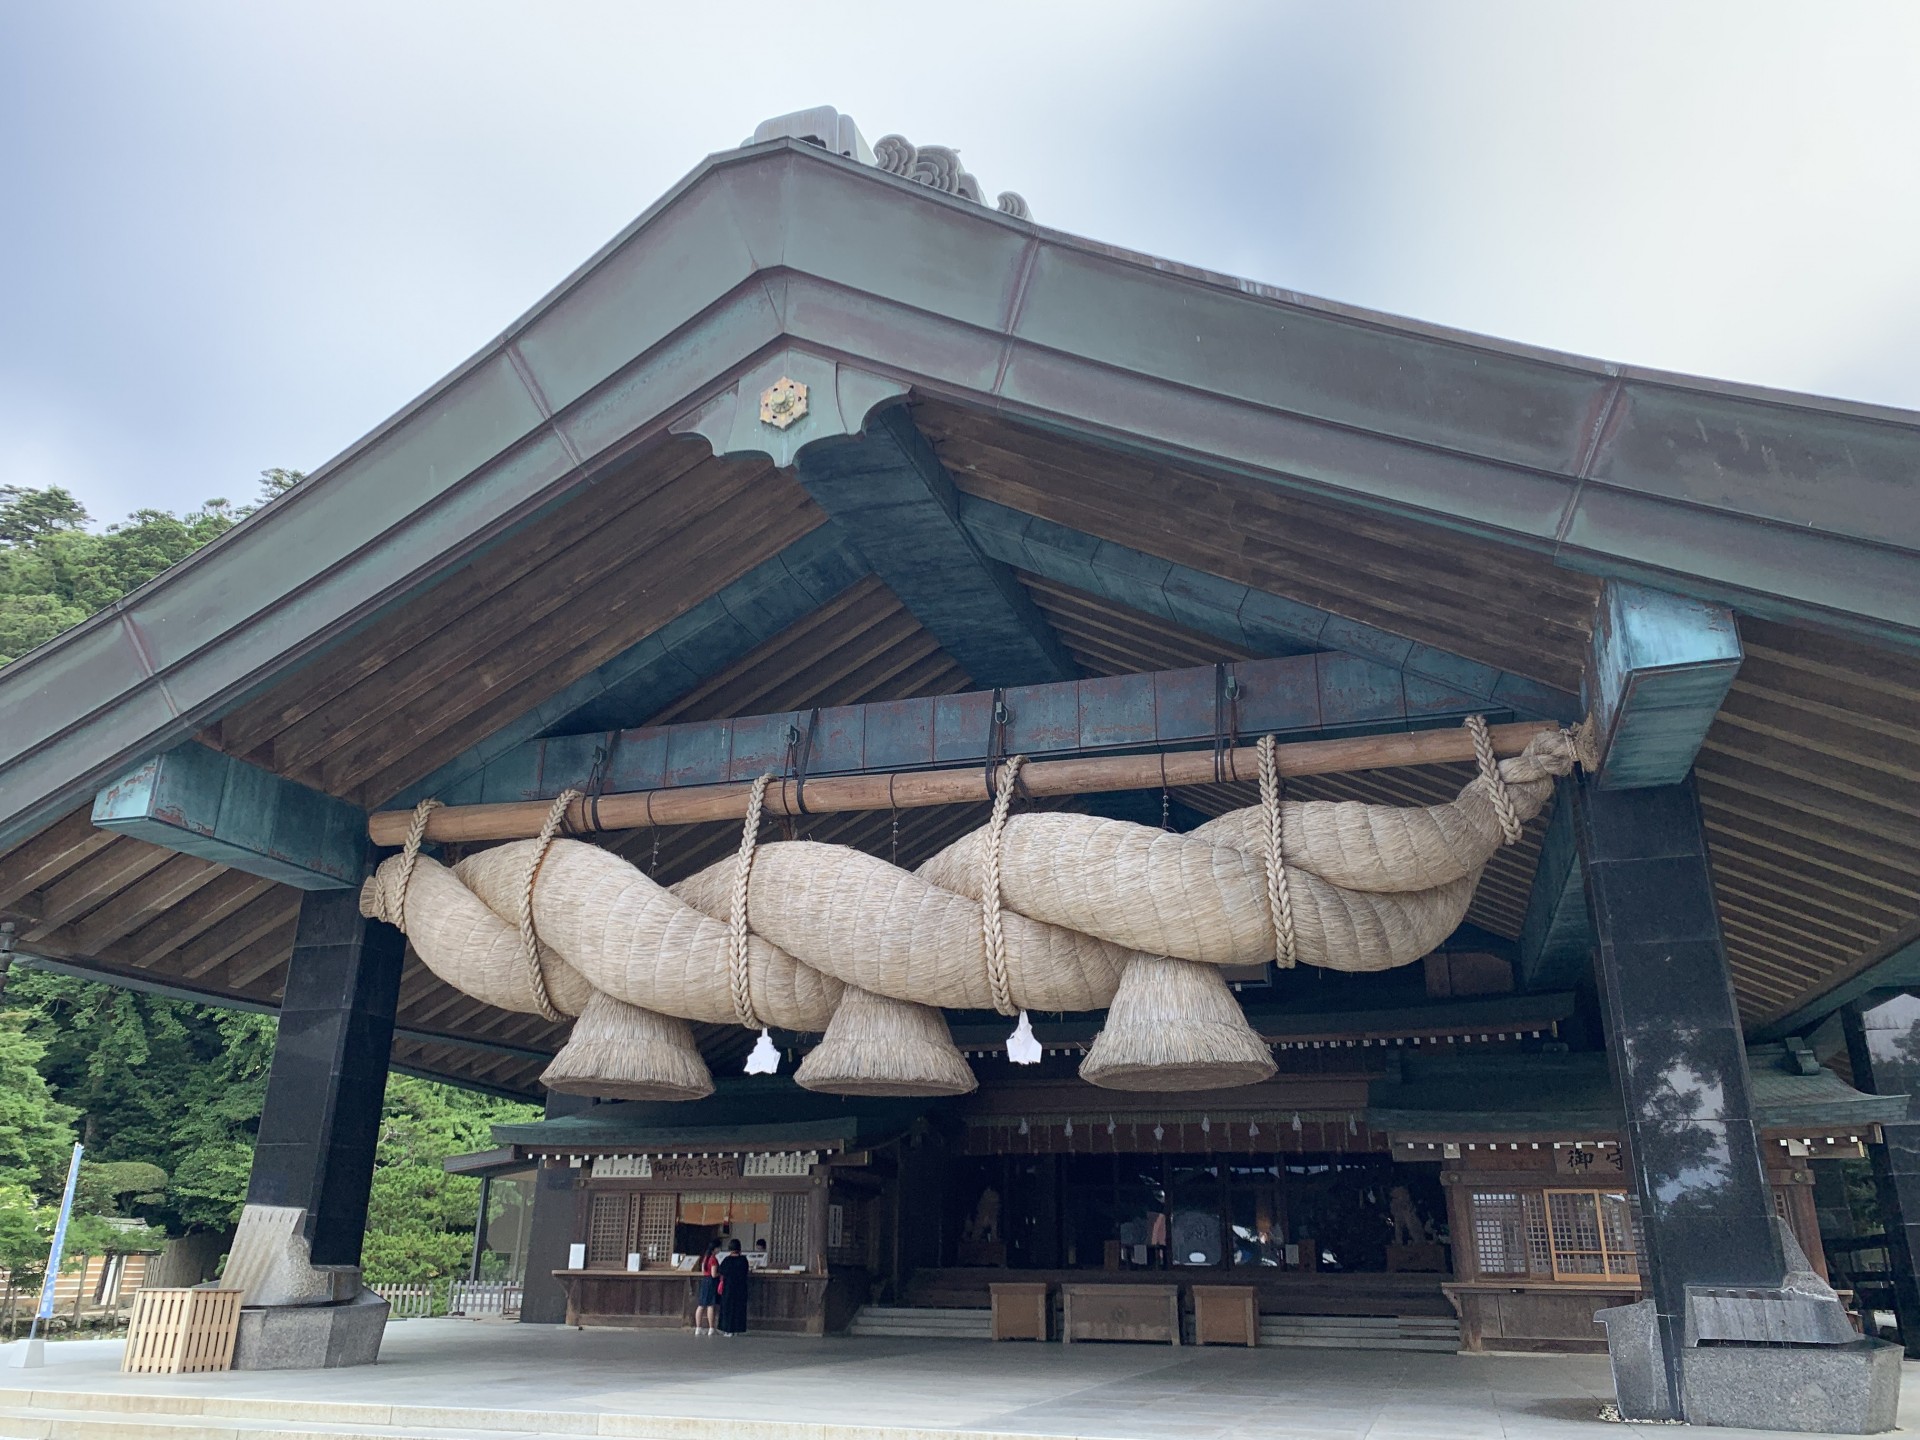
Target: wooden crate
[(1121, 1312), (1226, 1315), (181, 1332), (1019, 1312)]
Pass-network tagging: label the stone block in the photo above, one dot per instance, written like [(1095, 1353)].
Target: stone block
[(311, 1337), (1639, 1366), (270, 1261), (1851, 1389)]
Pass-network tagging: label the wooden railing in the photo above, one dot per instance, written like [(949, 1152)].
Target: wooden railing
[(483, 1297), (407, 1302)]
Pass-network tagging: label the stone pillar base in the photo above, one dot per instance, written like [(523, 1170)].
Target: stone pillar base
[(311, 1337), (1639, 1365), (1840, 1389)]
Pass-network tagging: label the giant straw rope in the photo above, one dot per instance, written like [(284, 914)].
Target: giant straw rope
[(1033, 911)]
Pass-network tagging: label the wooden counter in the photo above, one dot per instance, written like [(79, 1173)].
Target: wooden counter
[(1534, 1317), (780, 1301)]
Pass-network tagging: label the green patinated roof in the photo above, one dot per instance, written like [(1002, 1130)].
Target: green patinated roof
[(1557, 1093), (746, 1113)]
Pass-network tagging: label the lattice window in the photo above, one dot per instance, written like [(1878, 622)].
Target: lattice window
[(657, 1214), (787, 1232), (1499, 1232), (1539, 1241), (1592, 1234), (609, 1230)]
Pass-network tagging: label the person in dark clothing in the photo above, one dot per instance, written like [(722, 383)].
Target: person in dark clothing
[(734, 1278)]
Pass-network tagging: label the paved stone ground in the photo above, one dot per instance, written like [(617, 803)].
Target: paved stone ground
[(580, 1379)]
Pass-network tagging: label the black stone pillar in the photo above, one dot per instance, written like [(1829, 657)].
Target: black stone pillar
[(321, 1120), (556, 1195), (1677, 1054), (1883, 1048)]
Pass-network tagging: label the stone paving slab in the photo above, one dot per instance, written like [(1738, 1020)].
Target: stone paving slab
[(454, 1378)]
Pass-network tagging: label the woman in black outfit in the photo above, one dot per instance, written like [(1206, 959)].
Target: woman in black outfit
[(733, 1277)]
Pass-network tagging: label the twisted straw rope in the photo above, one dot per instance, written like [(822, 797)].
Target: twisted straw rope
[(1279, 898), (1495, 782), (993, 941), (409, 853), (739, 979), (529, 940)]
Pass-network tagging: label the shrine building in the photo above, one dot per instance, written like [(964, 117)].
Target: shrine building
[(1047, 792)]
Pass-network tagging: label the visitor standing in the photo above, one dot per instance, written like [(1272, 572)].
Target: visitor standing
[(733, 1279), (706, 1298)]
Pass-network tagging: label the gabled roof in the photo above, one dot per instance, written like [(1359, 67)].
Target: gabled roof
[(1175, 467), (1783, 504)]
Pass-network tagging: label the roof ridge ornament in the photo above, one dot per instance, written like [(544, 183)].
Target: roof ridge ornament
[(938, 168), (935, 166)]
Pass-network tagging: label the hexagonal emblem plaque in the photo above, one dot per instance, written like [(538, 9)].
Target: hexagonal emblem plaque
[(783, 402)]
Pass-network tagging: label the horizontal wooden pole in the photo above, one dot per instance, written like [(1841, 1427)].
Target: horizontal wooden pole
[(920, 789)]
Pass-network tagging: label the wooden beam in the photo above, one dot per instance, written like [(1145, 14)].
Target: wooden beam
[(39, 861), (893, 498), (93, 882), (1261, 623), (1556, 939), (925, 788), (1297, 695), (199, 802), (1896, 967), (1660, 668), (147, 899), (646, 678)]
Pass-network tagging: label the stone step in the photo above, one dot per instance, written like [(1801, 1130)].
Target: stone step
[(119, 1417), (43, 1424), (911, 1323), (1356, 1332), (1349, 1332)]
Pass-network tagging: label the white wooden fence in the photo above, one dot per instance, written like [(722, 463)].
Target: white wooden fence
[(483, 1297), (407, 1302), (463, 1297)]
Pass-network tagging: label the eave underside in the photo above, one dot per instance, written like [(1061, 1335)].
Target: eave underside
[(1810, 778)]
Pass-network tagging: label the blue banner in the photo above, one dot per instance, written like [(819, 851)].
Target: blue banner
[(45, 1311)]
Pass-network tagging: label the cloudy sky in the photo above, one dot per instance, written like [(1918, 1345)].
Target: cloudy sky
[(238, 235)]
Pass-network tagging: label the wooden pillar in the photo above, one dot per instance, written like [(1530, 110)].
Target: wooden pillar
[(321, 1119), (1883, 1049), (1677, 1054), (557, 1193), (817, 1221)]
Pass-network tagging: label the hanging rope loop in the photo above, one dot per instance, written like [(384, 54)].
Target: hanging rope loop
[(1279, 900), (396, 912), (739, 978), (992, 938), (1491, 778), (529, 938)]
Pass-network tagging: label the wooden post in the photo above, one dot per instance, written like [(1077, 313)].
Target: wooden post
[(817, 1222)]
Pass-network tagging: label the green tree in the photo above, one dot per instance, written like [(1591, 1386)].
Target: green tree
[(168, 1094), (275, 483), (420, 1219), (170, 1085), (36, 1130), (26, 1232), (54, 571), (27, 516)]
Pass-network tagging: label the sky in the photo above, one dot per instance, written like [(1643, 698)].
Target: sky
[(236, 236)]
